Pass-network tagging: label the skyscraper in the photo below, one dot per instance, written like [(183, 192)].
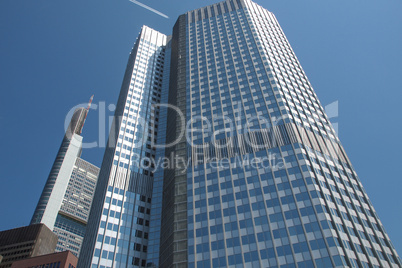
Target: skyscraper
[(66, 199), (260, 177), (119, 222)]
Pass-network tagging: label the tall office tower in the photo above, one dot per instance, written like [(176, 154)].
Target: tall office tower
[(269, 183), (119, 222), (52, 195), (67, 196), (259, 177)]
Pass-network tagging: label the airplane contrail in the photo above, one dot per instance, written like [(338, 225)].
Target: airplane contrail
[(149, 8)]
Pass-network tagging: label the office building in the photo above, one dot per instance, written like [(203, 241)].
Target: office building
[(122, 201), (67, 196), (25, 242), (73, 215), (63, 259), (261, 178)]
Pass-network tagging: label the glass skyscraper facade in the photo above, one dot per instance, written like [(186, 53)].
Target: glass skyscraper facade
[(66, 199), (260, 177), (301, 203), (119, 221)]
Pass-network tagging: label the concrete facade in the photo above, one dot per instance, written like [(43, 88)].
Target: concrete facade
[(25, 242)]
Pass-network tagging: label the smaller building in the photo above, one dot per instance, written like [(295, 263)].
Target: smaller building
[(25, 242), (63, 259)]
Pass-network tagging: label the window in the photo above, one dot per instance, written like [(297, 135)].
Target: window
[(138, 233), (137, 247), (136, 261)]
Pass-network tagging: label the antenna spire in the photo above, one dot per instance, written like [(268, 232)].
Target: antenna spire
[(90, 102), (86, 114)]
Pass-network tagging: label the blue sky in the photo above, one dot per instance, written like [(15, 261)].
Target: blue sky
[(56, 54)]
